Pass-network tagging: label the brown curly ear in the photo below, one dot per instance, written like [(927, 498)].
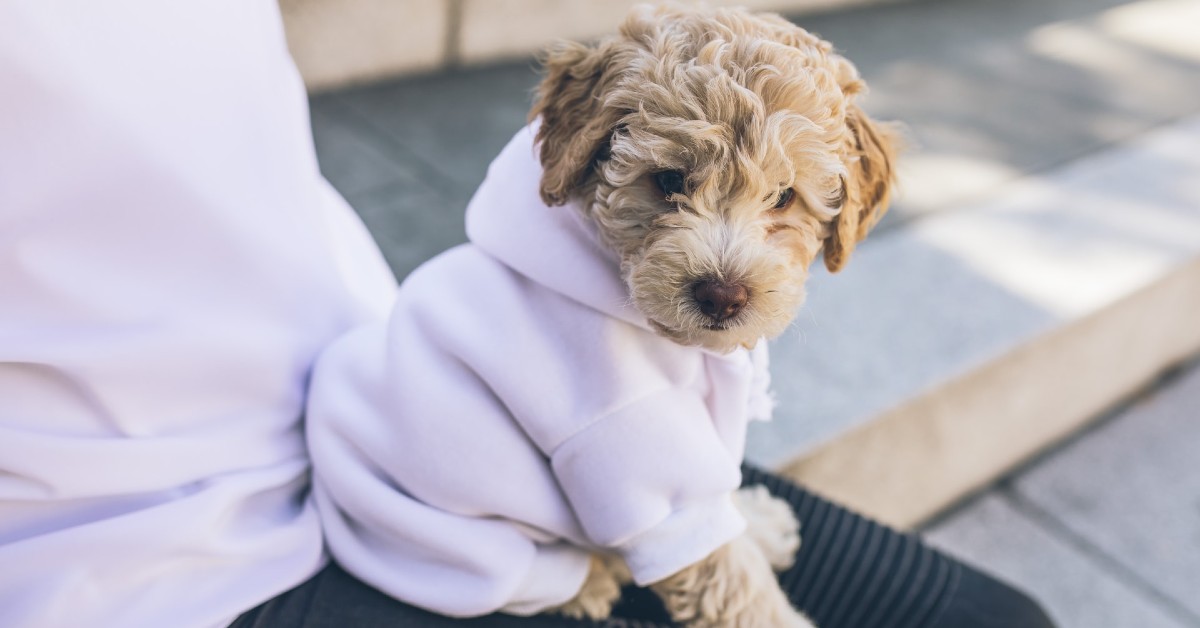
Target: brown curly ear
[(575, 126), (870, 153)]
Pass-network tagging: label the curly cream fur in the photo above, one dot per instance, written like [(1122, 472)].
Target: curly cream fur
[(745, 106), (733, 587)]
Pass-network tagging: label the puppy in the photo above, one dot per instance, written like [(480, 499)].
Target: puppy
[(717, 152), (560, 406)]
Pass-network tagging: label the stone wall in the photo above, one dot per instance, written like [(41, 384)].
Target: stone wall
[(341, 42)]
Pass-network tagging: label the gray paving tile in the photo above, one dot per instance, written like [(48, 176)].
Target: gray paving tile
[(411, 226), (1073, 588), (990, 82), (1132, 487), (351, 159), (875, 36), (455, 122)]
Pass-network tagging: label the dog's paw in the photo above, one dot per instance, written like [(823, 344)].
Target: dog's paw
[(733, 587), (771, 524), (599, 592), (765, 605), (775, 618), (784, 618)]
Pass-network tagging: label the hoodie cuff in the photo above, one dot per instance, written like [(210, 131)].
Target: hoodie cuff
[(683, 538)]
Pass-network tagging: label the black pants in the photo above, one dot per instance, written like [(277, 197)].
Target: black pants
[(850, 573)]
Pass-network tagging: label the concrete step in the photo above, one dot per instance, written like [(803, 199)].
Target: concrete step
[(955, 348), (1103, 529)]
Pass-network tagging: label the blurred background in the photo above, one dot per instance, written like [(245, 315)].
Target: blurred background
[(1008, 364)]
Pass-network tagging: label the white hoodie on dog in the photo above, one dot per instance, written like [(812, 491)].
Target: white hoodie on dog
[(516, 410)]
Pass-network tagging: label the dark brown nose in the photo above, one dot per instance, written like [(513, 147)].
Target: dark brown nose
[(720, 300)]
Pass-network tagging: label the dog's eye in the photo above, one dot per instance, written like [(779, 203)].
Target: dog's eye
[(785, 198), (670, 182)]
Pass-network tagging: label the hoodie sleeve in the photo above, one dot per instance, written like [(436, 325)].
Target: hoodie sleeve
[(652, 480), (367, 464)]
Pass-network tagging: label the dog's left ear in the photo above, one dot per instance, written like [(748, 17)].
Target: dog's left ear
[(575, 125), (869, 154)]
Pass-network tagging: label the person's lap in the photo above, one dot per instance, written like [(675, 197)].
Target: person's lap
[(849, 573)]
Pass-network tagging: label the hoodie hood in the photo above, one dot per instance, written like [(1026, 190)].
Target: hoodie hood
[(555, 247)]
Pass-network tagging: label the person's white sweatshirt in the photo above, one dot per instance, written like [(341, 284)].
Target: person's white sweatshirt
[(515, 411), (171, 262)]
